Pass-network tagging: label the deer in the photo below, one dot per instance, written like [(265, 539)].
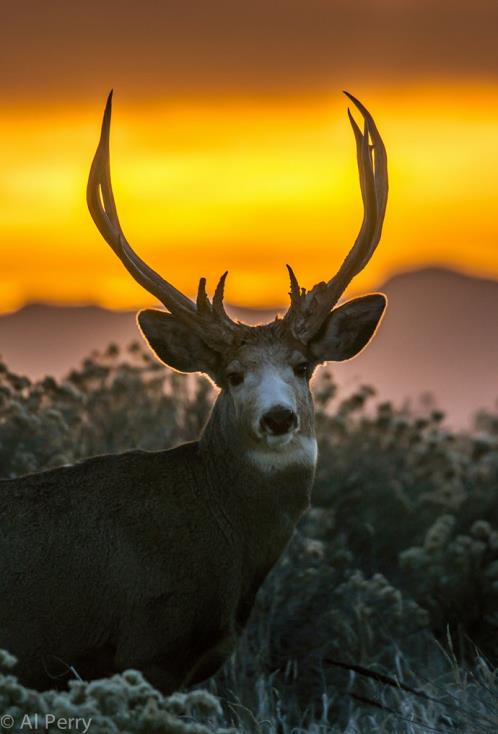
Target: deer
[(152, 560)]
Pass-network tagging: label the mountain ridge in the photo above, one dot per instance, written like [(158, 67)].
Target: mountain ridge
[(438, 337)]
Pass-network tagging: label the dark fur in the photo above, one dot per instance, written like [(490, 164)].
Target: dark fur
[(148, 560)]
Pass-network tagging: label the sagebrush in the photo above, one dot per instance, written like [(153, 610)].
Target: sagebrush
[(383, 613)]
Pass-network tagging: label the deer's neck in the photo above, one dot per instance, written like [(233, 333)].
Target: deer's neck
[(260, 498)]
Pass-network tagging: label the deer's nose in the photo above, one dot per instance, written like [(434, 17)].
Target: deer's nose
[(278, 420)]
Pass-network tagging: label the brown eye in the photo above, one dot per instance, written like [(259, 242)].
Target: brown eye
[(302, 369), (235, 378)]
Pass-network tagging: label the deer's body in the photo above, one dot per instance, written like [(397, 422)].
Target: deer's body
[(96, 568), (153, 560)]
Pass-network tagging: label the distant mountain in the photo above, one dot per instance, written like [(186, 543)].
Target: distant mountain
[(41, 339), (439, 336)]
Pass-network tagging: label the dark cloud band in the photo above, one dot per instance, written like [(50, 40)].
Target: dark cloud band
[(184, 46)]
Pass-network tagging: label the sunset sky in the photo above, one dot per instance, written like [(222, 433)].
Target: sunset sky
[(230, 143)]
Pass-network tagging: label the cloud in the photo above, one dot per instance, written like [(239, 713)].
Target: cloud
[(61, 48)]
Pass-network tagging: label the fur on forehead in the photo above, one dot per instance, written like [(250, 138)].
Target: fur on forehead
[(272, 340)]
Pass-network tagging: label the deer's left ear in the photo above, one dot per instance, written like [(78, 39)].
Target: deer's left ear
[(348, 329), (175, 344)]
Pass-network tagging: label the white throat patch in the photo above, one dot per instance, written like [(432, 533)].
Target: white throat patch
[(299, 451)]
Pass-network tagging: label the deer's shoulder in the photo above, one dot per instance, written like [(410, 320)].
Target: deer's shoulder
[(102, 478)]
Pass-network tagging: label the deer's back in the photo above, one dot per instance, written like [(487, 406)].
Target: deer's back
[(87, 550)]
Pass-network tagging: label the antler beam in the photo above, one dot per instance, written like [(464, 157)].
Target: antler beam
[(204, 316), (308, 310)]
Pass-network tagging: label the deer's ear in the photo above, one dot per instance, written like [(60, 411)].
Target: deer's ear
[(348, 329), (175, 344)]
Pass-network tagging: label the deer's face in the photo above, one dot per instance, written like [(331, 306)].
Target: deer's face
[(267, 384), (264, 376)]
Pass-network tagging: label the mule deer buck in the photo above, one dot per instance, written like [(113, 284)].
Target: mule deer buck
[(152, 560)]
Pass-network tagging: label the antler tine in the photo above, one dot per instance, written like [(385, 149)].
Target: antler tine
[(100, 200), (295, 291), (218, 307), (374, 188), (308, 315)]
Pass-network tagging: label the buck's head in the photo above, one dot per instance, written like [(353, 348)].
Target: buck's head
[(263, 371)]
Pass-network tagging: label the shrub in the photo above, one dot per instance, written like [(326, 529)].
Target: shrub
[(394, 568)]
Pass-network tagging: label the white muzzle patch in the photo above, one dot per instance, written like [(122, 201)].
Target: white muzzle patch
[(275, 416)]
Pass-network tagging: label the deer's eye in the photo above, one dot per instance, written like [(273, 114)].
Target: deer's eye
[(302, 369), (235, 378)]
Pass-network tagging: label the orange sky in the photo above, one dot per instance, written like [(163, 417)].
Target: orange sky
[(213, 176)]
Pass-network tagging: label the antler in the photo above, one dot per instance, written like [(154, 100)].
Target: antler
[(206, 317), (308, 310)]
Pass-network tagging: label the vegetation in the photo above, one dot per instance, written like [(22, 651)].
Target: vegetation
[(381, 617)]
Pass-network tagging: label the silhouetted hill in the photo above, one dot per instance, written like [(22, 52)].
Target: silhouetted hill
[(439, 336), (41, 339)]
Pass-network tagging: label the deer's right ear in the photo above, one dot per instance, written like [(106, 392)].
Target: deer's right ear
[(175, 344), (348, 328)]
